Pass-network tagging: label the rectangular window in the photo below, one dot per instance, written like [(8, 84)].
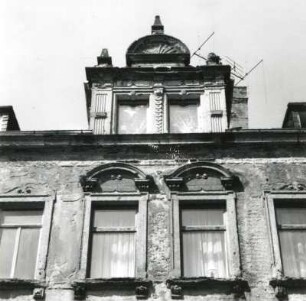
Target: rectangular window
[(203, 240), (205, 236), (183, 115), (132, 116), (291, 225), (19, 239), (113, 235)]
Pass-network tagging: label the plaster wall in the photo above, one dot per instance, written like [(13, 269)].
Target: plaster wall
[(259, 172)]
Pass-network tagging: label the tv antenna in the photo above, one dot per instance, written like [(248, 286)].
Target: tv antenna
[(196, 52), (248, 73), (237, 69)]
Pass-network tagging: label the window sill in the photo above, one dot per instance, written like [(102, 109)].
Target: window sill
[(289, 282), (281, 285), (8, 284), (141, 286), (236, 286)]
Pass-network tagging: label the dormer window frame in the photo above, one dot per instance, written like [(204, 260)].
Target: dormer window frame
[(184, 98), (133, 98)]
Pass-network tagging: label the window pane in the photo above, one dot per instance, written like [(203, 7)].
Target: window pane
[(184, 118), (114, 218), (291, 215), (204, 254), (21, 217), (7, 243), (202, 217), (27, 253), (113, 255), (132, 119), (293, 249)]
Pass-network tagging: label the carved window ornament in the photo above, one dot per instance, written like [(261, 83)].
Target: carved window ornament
[(122, 190), (206, 189), (201, 177), (116, 177), (37, 216), (287, 227)]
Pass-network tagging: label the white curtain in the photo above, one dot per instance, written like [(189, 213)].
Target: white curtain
[(113, 255), (204, 251), (113, 252), (293, 242), (204, 254), (19, 240)]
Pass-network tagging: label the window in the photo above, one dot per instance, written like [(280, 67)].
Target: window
[(203, 240), (24, 235), (291, 224), (114, 238), (287, 216), (132, 116), (19, 237), (113, 243), (206, 244), (183, 115)]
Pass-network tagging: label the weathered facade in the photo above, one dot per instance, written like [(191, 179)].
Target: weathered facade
[(150, 203)]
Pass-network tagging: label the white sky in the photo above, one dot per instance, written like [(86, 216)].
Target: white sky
[(45, 46)]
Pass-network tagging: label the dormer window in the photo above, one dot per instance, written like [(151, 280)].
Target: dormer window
[(133, 116), (183, 115)]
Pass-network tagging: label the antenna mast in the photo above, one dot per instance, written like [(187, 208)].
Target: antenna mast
[(249, 71), (195, 53)]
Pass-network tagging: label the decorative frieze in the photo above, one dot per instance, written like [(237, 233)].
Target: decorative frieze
[(159, 111)]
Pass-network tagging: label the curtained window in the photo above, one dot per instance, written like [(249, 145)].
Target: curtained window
[(183, 116), (132, 117), (203, 240), (291, 224), (19, 239), (113, 234)]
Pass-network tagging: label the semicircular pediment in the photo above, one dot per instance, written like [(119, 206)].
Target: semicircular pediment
[(158, 44), (116, 177), (201, 176)]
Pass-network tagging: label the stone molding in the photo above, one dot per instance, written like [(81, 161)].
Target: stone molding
[(116, 177), (236, 286), (201, 176)]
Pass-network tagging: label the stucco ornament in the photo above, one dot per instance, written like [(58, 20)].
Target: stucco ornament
[(156, 44)]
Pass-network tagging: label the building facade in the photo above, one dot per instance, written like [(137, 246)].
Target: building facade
[(167, 196)]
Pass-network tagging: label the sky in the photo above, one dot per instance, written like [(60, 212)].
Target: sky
[(45, 46)]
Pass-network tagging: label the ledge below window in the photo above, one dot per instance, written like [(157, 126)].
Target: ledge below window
[(8, 284), (38, 287), (282, 285), (235, 286), (289, 282), (141, 286)]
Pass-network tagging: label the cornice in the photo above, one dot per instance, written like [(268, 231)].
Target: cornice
[(50, 139)]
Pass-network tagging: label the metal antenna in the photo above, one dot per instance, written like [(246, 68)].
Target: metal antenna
[(237, 69), (195, 53), (249, 71)]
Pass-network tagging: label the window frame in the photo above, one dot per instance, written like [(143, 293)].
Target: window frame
[(271, 199), (44, 202), (131, 98), (192, 97), (99, 200), (230, 223)]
